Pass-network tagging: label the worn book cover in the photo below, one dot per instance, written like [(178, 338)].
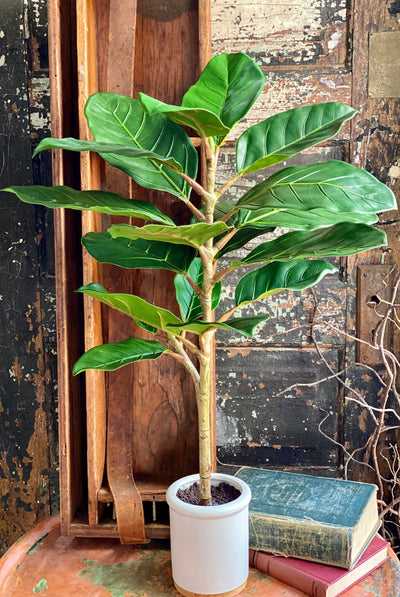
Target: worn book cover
[(320, 580), (313, 518)]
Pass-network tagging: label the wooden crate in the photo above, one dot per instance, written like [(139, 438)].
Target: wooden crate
[(138, 425)]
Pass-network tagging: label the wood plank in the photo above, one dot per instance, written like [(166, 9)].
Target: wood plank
[(61, 23), (90, 179), (204, 33)]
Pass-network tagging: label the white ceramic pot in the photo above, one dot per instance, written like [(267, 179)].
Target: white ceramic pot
[(209, 544)]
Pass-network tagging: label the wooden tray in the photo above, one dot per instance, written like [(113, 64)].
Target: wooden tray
[(137, 425)]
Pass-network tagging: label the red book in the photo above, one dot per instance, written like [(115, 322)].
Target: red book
[(320, 580)]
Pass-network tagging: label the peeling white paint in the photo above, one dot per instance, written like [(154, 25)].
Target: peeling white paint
[(39, 121), (329, 83), (227, 430), (336, 38), (271, 30), (394, 171)]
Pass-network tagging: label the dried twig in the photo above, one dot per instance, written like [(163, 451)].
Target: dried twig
[(372, 455)]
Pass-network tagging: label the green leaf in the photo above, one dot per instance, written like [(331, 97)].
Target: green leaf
[(244, 234), (189, 302), (283, 135), (242, 237), (247, 325), (194, 235), (147, 327), (122, 120), (243, 325), (276, 276), (333, 186), (108, 357), (300, 219), (126, 151), (100, 201), (339, 240), (134, 254), (224, 93), (201, 120), (132, 305)]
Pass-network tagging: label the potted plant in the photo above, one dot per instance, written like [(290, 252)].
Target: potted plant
[(299, 214)]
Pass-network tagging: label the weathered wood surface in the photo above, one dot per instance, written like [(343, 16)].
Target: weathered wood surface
[(133, 435), (28, 413), (312, 33), (310, 52), (65, 170)]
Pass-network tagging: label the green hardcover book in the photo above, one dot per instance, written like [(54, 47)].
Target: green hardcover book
[(312, 518)]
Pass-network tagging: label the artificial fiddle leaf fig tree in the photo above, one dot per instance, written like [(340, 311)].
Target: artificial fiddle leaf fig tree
[(326, 209)]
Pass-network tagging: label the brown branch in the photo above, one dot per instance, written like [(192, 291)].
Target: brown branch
[(196, 186)]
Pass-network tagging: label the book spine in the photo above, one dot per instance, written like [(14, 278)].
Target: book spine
[(300, 539), (281, 570)]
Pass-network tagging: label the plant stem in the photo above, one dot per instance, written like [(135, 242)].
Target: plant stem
[(203, 390)]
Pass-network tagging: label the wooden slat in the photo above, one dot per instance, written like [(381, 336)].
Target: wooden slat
[(61, 24), (204, 32), (90, 179)]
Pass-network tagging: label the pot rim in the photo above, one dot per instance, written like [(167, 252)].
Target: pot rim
[(208, 512)]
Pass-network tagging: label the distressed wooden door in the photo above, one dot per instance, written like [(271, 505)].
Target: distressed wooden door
[(313, 51)]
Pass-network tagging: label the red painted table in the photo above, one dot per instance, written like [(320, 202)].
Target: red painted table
[(45, 563)]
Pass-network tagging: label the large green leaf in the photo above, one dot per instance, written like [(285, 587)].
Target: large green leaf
[(132, 305), (299, 219), (126, 151), (100, 201), (108, 357), (243, 325), (122, 120), (335, 186), (339, 240), (140, 253), (194, 235), (276, 276), (283, 135), (189, 302), (224, 93)]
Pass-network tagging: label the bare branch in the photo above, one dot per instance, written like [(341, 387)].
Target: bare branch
[(181, 355)]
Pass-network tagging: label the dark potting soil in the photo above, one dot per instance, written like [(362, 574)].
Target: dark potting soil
[(220, 494)]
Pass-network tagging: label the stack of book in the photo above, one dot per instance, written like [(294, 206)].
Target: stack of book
[(316, 534)]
